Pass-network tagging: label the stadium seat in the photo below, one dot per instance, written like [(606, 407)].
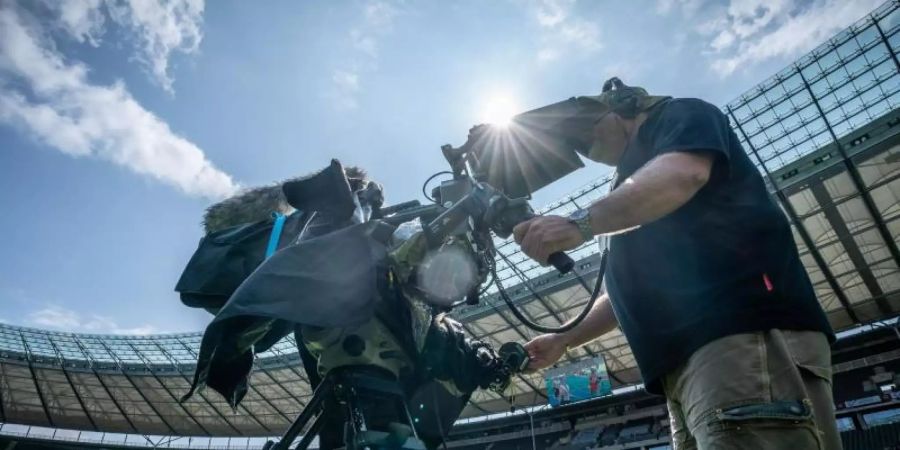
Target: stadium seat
[(884, 437)]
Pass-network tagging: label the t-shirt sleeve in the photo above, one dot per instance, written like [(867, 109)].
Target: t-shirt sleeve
[(692, 125)]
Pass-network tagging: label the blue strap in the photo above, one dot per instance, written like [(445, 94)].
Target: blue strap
[(275, 236)]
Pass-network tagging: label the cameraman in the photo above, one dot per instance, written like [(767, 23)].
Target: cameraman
[(703, 277)]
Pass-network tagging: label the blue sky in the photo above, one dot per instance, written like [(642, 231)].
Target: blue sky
[(120, 121)]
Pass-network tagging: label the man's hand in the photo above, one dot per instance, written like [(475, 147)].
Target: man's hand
[(545, 235), (545, 350)]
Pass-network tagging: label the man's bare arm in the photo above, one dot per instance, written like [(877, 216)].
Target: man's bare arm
[(655, 190), (660, 187), (663, 185), (546, 349), (599, 321)]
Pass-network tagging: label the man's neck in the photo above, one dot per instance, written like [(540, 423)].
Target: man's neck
[(638, 121), (632, 129)]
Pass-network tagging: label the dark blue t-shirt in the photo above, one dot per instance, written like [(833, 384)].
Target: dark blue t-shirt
[(723, 263)]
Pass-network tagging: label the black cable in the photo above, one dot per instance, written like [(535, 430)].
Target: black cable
[(563, 328), (437, 418), (524, 278), (425, 184), (489, 283)]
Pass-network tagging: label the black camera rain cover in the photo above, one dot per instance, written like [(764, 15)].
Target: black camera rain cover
[(327, 191), (225, 258), (328, 281)]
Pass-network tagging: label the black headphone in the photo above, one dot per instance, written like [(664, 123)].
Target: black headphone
[(623, 98)]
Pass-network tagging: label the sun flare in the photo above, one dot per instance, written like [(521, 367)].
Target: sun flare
[(499, 110)]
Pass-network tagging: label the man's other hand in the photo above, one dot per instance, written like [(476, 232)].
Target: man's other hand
[(545, 350), (543, 236)]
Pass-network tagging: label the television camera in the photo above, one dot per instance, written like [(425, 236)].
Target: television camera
[(372, 327)]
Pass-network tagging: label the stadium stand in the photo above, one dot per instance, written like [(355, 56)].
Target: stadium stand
[(885, 437), (867, 367), (824, 132)]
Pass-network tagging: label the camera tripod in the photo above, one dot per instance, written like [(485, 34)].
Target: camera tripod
[(360, 391)]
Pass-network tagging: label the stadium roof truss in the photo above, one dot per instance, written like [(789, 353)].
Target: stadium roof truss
[(824, 133), (132, 384)]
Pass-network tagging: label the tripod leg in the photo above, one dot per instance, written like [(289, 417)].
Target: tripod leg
[(312, 408), (355, 423), (409, 418), (310, 434)]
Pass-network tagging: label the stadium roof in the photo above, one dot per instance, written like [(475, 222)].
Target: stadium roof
[(823, 132), (131, 384)]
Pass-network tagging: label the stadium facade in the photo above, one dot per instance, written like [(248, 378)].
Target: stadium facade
[(824, 132)]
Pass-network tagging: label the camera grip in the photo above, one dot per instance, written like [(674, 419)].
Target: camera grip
[(562, 262)]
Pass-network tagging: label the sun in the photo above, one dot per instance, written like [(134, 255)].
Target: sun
[(499, 110)]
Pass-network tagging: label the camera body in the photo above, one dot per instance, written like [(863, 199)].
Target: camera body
[(356, 290)]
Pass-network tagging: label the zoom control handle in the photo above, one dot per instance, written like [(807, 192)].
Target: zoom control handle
[(562, 262), (505, 213)]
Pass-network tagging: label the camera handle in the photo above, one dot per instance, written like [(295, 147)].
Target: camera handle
[(504, 213), (562, 262), (559, 260)]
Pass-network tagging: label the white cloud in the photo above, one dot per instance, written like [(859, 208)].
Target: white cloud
[(364, 43), (54, 317), (547, 54), (664, 6), (346, 83), (378, 18), (713, 24), (380, 14), (551, 13), (82, 20), (51, 97), (59, 318), (158, 28), (688, 8), (747, 17), (724, 40), (346, 80), (754, 31), (563, 33), (161, 27)]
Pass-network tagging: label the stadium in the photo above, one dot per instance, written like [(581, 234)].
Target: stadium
[(824, 132)]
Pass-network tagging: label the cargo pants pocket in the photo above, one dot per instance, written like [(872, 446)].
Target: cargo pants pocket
[(778, 425), (752, 391)]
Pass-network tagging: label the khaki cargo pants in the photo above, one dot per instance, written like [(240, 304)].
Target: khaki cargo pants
[(765, 390)]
